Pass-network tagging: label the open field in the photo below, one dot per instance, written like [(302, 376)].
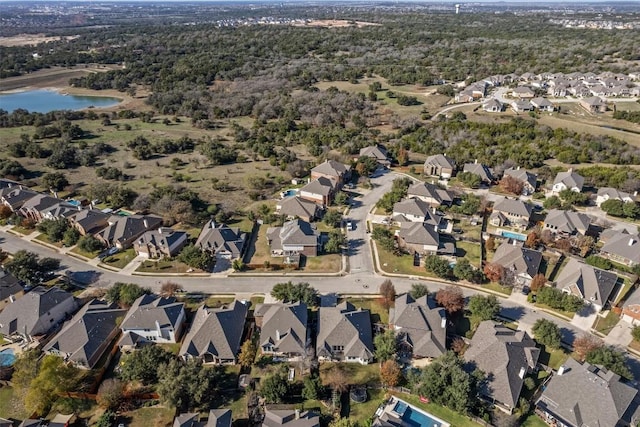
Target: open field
[(54, 77), (31, 39), (149, 417)]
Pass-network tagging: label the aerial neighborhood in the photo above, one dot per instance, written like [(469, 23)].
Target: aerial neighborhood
[(326, 219)]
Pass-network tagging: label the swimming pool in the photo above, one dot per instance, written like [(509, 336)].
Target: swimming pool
[(420, 419), (7, 357), (400, 408), (289, 193), (511, 235)]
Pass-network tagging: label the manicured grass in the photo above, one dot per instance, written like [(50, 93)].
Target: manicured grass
[(256, 299), (552, 269), (604, 325), (446, 414), (23, 230), (635, 345), (626, 287), (45, 239), (496, 287), (218, 301), (3, 341), (329, 263), (10, 407), (534, 421), (356, 373), (121, 259), (90, 255), (564, 313), (361, 412), (173, 348), (150, 417), (165, 266), (262, 252), (378, 313), (552, 357), (402, 264), (470, 251), (243, 223)]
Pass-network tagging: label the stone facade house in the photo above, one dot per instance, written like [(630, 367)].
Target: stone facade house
[(440, 165), (122, 231), (161, 242), (528, 179), (567, 223), (430, 193), (510, 212), (222, 241), (295, 237), (337, 172)]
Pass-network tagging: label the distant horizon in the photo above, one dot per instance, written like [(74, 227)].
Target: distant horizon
[(311, 2)]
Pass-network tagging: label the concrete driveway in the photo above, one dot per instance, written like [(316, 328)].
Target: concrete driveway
[(620, 335), (584, 318)]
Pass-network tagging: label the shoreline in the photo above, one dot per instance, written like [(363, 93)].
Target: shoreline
[(123, 100)]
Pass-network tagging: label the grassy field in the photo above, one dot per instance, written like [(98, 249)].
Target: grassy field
[(120, 259), (403, 264), (604, 325), (165, 266), (149, 417), (45, 239), (470, 251), (379, 314), (10, 407), (329, 263)]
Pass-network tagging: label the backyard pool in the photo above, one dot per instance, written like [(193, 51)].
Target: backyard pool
[(7, 357), (511, 235), (289, 193), (414, 417)]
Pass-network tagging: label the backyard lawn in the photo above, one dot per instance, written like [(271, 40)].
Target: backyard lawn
[(534, 421), (149, 417), (361, 412), (9, 408), (446, 414), (378, 313), (356, 373), (552, 358), (470, 251)]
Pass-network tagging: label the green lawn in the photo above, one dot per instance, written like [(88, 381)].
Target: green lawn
[(9, 407), (149, 417), (256, 299), (121, 259), (534, 421), (165, 266), (361, 412), (378, 313), (90, 255), (552, 358), (45, 239), (496, 287), (446, 414), (470, 251), (355, 372), (329, 263), (564, 313), (22, 230), (403, 264), (2, 341), (604, 325)]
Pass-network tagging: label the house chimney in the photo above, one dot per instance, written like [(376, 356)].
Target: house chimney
[(475, 161), (435, 228), (561, 370), (158, 326), (160, 230), (443, 322), (514, 242), (277, 334), (146, 223), (12, 298), (522, 372), (635, 193)]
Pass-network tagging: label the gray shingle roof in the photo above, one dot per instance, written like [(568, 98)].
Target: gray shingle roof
[(323, 186), (479, 169), (419, 233), (40, 202), (570, 179), (417, 207), (332, 168), (217, 331), (440, 160), (221, 238), (9, 285), (284, 326), (27, 313), (82, 336), (612, 193), (378, 152), (16, 197), (91, 220), (186, 419), (162, 237), (522, 175), (586, 395), (287, 417), (505, 356), (346, 327), (125, 228), (296, 206), (587, 282), (513, 207), (625, 245), (424, 189), (520, 259), (422, 325), (219, 418), (294, 232), (149, 309), (568, 221)]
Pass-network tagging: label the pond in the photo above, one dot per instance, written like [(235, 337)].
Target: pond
[(44, 101)]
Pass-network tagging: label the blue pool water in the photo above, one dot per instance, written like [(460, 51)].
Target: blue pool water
[(419, 419), (289, 193), (516, 236), (400, 408), (43, 101), (7, 358)]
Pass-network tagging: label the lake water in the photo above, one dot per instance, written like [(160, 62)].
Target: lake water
[(43, 101)]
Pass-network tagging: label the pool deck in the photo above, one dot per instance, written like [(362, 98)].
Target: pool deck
[(388, 410)]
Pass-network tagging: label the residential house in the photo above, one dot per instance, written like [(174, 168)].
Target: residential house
[(567, 181), (5, 423), (493, 106), (567, 223), (510, 212), (161, 242), (89, 221), (591, 284), (283, 329), (188, 419), (320, 191), (297, 207), (344, 334), (431, 194), (542, 104), (32, 423), (294, 238), (153, 319), (37, 312), (290, 418), (421, 238), (480, 170), (8, 183), (528, 179), (523, 262), (465, 95), (337, 172), (594, 104), (420, 325), (608, 193), (631, 309), (376, 152), (216, 334), (219, 418), (222, 241), (34, 208), (581, 394), (15, 197), (122, 231), (415, 210), (10, 288), (506, 357), (88, 335), (440, 165), (622, 247), (523, 92), (59, 210), (521, 106)]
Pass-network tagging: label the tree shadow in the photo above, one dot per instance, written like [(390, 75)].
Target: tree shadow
[(512, 313)]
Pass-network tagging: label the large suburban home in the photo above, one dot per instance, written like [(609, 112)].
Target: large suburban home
[(89, 221), (415, 210), (320, 191), (222, 241), (297, 207), (152, 319), (283, 329), (523, 92), (521, 105), (35, 207), (290, 418), (581, 395), (88, 335), (567, 223), (337, 172), (595, 104), (506, 357), (528, 179), (480, 170), (37, 312), (510, 212), (344, 334), (217, 418), (376, 152), (294, 238), (568, 181), (523, 262), (420, 325), (216, 334), (440, 165), (493, 106), (161, 242), (10, 288), (424, 239), (122, 231), (431, 194), (542, 104), (15, 197), (608, 193), (591, 284), (61, 210), (623, 248)]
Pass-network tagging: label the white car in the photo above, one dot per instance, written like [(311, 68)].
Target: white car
[(349, 225)]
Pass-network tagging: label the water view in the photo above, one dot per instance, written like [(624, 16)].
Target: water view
[(43, 101)]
